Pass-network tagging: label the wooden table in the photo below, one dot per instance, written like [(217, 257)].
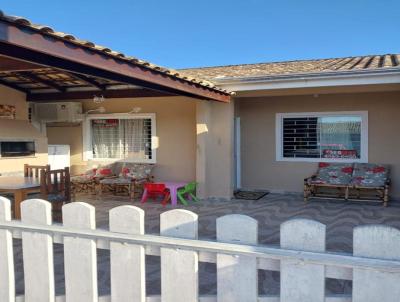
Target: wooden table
[(19, 186)]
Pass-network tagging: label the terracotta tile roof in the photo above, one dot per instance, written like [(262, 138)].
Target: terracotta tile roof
[(368, 63), (205, 75), (46, 30)]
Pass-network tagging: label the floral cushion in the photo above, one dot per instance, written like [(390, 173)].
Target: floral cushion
[(86, 177), (136, 171), (81, 179), (370, 175), (333, 173)]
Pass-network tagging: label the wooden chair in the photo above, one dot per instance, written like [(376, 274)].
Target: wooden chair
[(55, 187), (34, 171), (155, 190)]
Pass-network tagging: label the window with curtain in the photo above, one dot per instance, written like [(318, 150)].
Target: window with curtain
[(330, 137), (121, 138)]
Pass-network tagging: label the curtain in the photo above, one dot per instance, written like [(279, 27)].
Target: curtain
[(134, 138), (125, 138), (340, 133), (105, 139)]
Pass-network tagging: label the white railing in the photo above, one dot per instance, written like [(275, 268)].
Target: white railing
[(301, 259)]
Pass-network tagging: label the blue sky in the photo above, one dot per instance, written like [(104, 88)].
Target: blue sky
[(184, 33)]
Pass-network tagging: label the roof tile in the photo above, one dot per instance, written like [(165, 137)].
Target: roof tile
[(205, 75), (374, 62)]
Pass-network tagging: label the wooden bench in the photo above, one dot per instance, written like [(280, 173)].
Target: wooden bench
[(349, 181)]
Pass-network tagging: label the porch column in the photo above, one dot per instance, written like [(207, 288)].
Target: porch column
[(215, 149)]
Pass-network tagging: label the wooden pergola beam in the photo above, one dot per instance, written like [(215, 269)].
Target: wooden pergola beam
[(13, 86), (81, 95), (24, 43), (88, 81), (36, 78)]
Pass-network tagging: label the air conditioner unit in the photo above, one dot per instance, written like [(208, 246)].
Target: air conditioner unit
[(58, 112)]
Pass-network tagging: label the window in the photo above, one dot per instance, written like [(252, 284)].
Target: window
[(322, 136), (120, 136)]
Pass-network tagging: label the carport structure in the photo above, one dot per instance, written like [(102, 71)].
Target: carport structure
[(48, 65)]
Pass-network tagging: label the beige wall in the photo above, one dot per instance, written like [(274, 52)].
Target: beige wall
[(16, 98), (260, 170), (176, 130), (20, 129)]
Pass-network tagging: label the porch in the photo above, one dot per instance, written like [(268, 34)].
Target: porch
[(339, 217), (57, 84)]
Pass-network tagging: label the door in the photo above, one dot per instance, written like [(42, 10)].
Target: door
[(59, 156)]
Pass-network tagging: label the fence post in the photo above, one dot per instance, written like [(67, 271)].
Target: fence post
[(237, 275), (127, 260), (37, 252), (376, 241), (80, 260), (7, 281), (302, 281), (179, 268)]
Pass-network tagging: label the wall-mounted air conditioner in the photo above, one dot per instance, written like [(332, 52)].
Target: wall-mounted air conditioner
[(57, 112)]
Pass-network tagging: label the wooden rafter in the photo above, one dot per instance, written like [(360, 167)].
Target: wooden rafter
[(13, 86), (36, 78), (88, 81)]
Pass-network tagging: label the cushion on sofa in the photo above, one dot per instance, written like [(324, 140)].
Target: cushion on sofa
[(86, 177), (136, 170), (370, 175), (333, 174)]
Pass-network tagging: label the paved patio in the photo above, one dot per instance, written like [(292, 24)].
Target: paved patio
[(270, 211)]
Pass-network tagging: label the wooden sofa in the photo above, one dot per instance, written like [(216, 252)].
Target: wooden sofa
[(349, 181), (117, 177), (128, 178)]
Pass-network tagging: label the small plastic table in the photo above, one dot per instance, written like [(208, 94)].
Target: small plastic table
[(20, 186), (173, 187)]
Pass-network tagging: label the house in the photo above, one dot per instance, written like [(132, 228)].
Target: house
[(360, 94), (225, 127)]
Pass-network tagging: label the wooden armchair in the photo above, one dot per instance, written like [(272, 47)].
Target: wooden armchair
[(55, 187)]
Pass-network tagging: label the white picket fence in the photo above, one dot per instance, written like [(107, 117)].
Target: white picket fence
[(301, 259)]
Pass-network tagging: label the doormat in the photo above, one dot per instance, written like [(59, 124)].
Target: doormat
[(250, 195)]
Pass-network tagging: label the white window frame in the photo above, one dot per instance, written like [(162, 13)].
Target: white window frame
[(87, 136), (364, 136)]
